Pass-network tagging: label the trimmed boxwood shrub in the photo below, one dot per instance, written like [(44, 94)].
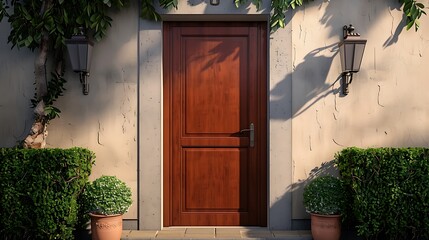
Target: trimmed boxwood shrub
[(325, 195), (39, 190), (390, 191)]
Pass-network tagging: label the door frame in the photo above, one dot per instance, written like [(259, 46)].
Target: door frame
[(262, 117)]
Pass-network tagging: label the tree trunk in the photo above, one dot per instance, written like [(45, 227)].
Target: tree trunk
[(38, 132), (40, 61)]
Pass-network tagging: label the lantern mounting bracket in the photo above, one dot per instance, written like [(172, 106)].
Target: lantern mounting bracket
[(84, 81)]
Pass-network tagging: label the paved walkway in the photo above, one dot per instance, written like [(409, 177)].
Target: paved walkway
[(216, 233)]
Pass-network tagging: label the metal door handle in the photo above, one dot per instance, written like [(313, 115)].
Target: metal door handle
[(251, 129)]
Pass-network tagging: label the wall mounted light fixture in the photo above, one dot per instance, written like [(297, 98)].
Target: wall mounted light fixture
[(214, 2), (351, 53), (79, 48)]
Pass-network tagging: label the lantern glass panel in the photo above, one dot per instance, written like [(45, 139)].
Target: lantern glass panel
[(358, 55), (80, 52), (73, 53), (342, 53), (348, 56)]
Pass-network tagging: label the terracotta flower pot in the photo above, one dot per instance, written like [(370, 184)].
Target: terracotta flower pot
[(106, 227), (325, 227)]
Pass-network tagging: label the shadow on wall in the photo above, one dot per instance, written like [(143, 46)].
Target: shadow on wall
[(313, 83), (371, 16), (310, 76), (326, 168), (328, 18)]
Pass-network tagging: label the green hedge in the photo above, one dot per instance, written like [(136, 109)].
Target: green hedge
[(389, 189), (39, 190)]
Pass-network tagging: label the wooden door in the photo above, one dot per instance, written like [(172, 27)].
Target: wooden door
[(215, 128)]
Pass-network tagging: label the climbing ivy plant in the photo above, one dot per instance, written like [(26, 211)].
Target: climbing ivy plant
[(412, 9), (148, 10)]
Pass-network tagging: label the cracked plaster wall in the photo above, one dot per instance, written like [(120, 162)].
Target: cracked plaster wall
[(105, 121), (387, 103)]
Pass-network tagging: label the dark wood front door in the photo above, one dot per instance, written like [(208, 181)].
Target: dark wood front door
[(215, 127)]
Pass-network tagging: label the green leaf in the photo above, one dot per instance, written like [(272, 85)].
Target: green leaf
[(237, 3), (412, 10), (65, 16), (407, 6), (79, 20), (281, 23), (410, 24), (168, 3), (420, 5), (93, 18), (417, 24), (107, 2)]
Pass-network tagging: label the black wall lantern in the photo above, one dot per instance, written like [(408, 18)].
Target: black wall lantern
[(79, 48), (214, 2), (351, 52)]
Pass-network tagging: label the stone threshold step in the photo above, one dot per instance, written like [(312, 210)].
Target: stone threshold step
[(215, 233)]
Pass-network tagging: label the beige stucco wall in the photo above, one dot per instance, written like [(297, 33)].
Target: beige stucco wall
[(105, 121), (150, 122), (121, 118), (387, 103), (16, 69)]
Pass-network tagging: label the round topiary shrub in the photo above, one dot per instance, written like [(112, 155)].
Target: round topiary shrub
[(107, 195), (325, 195)]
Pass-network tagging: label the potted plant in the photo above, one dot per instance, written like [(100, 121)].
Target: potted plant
[(325, 200), (106, 199)]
